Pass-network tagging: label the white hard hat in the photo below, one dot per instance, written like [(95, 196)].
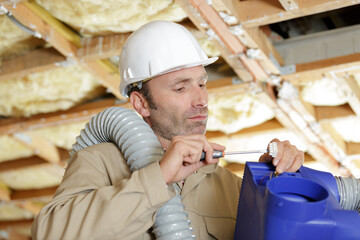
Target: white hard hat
[(157, 48)]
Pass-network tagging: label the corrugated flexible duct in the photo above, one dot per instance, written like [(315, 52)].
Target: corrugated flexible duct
[(140, 147)]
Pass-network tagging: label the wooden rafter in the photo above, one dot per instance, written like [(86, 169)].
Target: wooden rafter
[(34, 61), (30, 161), (271, 11), (33, 193), (20, 163), (289, 5), (298, 122), (79, 113), (328, 112), (41, 146), (316, 70), (16, 223), (36, 18), (231, 42), (268, 125), (4, 192), (323, 146), (59, 36), (350, 87), (94, 48)]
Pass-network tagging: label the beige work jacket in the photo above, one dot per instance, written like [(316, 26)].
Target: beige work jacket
[(100, 199)]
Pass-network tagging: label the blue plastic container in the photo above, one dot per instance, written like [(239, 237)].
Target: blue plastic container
[(301, 205)]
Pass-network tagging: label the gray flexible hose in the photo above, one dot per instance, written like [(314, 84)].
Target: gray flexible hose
[(140, 147), (349, 191)]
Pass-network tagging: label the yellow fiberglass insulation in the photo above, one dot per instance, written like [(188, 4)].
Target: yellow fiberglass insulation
[(99, 17), (48, 91), (232, 113), (9, 211), (39, 176), (13, 149), (13, 40), (63, 136)]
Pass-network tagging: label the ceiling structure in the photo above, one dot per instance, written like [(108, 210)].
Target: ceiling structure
[(288, 69)]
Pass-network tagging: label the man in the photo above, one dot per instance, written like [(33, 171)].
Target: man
[(162, 69)]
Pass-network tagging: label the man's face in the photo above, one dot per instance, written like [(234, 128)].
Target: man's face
[(180, 103)]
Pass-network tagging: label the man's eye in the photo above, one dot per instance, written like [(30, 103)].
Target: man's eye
[(202, 85), (179, 89)]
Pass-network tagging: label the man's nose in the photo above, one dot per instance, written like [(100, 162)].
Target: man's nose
[(200, 97)]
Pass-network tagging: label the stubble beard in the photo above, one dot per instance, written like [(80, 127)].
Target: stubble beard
[(172, 126)]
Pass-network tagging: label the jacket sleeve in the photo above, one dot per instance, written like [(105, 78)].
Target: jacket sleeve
[(98, 199)]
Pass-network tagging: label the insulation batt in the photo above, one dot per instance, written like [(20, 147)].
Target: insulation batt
[(99, 17), (12, 149), (230, 114), (13, 40), (41, 176), (9, 211), (62, 136), (341, 125), (48, 91), (324, 92)]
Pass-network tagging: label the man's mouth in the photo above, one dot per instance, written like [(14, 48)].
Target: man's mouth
[(201, 117)]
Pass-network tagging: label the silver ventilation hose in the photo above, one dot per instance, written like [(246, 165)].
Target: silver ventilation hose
[(140, 147), (349, 191)]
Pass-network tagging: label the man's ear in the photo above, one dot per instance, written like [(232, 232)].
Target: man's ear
[(139, 103)]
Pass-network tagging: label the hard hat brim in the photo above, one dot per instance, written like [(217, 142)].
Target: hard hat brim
[(204, 63)]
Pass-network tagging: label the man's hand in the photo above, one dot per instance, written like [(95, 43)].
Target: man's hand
[(182, 158), (288, 158)]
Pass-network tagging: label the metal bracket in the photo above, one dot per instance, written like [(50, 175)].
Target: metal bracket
[(284, 70), (236, 80), (3, 10)]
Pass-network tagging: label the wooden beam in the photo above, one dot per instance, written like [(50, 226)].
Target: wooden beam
[(289, 5), (94, 48), (231, 86), (226, 53), (300, 123), (31, 161), (4, 192), (268, 125), (16, 223), (348, 84), (63, 39), (352, 148), (33, 193), (79, 113), (107, 73), (34, 61), (30, 206), (51, 30), (329, 129), (352, 89), (230, 41), (262, 41), (17, 235), (20, 163), (43, 147), (316, 70), (328, 112), (271, 11)]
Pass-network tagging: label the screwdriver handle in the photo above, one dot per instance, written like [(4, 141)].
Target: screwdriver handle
[(216, 154)]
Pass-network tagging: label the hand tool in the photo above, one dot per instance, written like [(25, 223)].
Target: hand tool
[(218, 154)]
